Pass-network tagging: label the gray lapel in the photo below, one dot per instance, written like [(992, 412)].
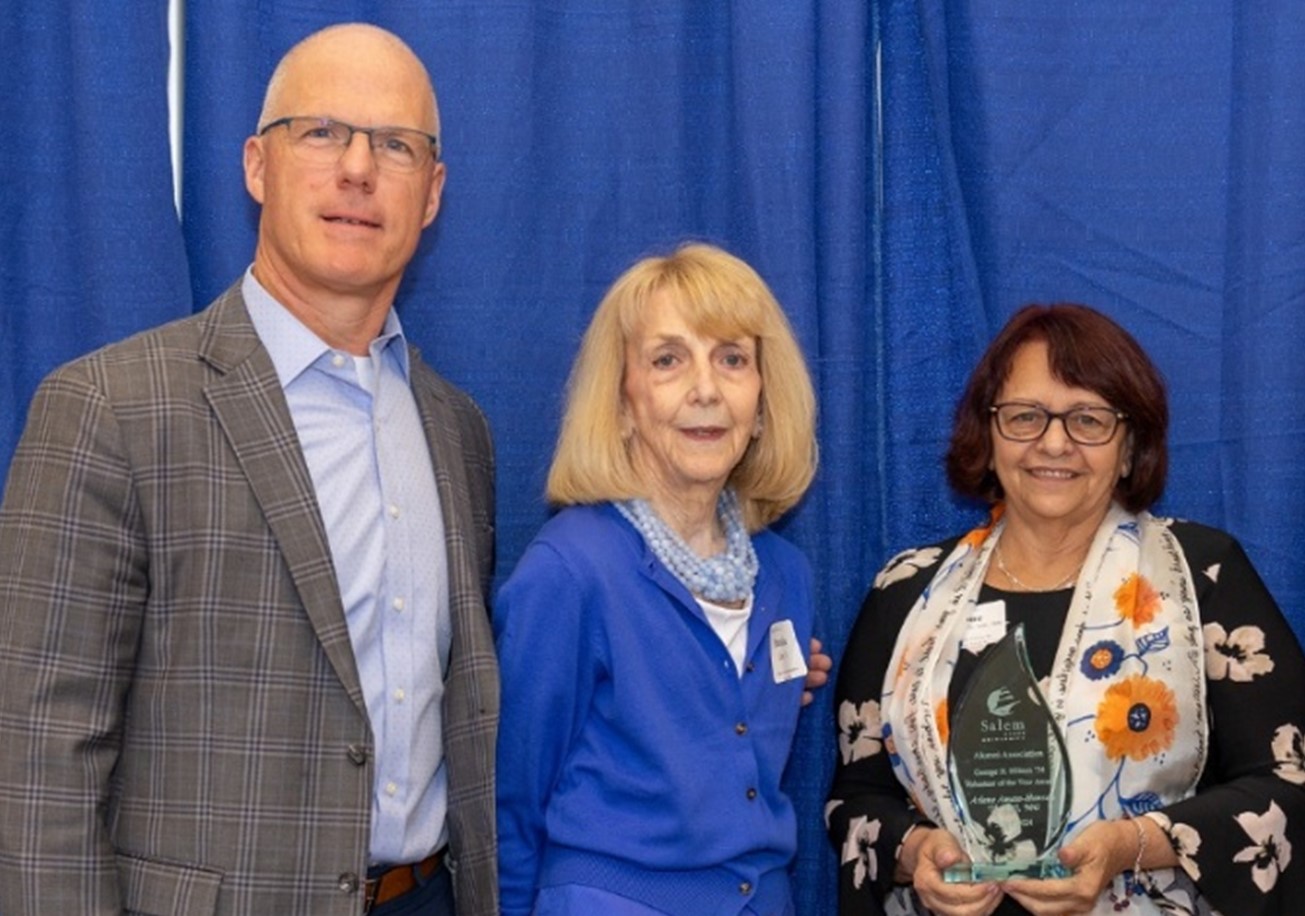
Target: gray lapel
[(251, 408), (444, 439), (444, 436)]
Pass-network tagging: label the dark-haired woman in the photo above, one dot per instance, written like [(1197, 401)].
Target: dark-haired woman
[(1177, 683)]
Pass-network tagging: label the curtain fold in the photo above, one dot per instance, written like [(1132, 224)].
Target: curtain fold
[(90, 249)]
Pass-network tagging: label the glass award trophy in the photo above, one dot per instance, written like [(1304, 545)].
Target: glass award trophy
[(1008, 770)]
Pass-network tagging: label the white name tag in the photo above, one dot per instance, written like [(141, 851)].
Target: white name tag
[(985, 625), (785, 654)]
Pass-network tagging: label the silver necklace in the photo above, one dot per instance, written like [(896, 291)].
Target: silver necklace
[(1014, 580)]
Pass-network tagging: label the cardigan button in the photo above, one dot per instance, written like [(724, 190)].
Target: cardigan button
[(752, 794), (741, 728), (745, 888), (357, 754), (348, 883)]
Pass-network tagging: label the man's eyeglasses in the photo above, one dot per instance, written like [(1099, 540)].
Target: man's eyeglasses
[(322, 141), (1084, 425)]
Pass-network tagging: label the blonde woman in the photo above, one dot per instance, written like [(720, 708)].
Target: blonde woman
[(651, 638)]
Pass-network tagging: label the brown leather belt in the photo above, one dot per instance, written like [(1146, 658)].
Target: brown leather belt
[(399, 880)]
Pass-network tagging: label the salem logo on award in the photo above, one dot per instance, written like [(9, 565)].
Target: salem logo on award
[(1001, 702)]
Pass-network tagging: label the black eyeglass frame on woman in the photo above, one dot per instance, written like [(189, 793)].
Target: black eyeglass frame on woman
[(1091, 426)]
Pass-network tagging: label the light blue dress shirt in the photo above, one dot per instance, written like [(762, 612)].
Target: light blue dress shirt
[(363, 441)]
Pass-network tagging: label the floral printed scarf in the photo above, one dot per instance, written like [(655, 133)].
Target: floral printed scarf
[(1127, 687)]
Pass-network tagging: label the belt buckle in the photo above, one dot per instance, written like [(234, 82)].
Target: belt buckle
[(373, 887), (370, 888)]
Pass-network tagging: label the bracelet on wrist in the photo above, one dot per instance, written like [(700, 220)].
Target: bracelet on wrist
[(1141, 848)]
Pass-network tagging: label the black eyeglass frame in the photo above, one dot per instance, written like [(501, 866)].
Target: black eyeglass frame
[(1049, 415), (369, 131)]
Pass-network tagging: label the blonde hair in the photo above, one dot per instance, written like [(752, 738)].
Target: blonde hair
[(721, 296)]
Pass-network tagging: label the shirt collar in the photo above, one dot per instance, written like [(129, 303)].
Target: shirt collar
[(293, 347)]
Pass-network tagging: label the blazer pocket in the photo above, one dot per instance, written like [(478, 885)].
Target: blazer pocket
[(158, 888)]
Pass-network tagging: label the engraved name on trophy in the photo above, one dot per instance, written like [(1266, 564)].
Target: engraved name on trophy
[(1008, 770)]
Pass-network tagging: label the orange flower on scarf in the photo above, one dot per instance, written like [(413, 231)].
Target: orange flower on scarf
[(941, 720), (1137, 718), (1137, 600), (977, 536), (902, 664)]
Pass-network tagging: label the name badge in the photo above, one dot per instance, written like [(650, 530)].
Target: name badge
[(786, 659), (985, 625)]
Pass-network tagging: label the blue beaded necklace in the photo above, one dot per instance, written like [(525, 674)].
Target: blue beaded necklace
[(727, 576)]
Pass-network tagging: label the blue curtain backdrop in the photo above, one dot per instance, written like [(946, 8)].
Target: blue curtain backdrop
[(1148, 160), (904, 173), (90, 249)]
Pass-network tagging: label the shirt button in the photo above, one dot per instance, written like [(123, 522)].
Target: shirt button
[(394, 511), (337, 361), (347, 882), (741, 728), (745, 888), (399, 695), (391, 788), (398, 604), (752, 794)]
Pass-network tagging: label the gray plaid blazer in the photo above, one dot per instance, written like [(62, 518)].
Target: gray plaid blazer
[(182, 728)]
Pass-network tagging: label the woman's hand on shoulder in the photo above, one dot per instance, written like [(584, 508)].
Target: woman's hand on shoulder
[(926, 853)]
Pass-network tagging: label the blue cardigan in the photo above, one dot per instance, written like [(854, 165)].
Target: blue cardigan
[(631, 755)]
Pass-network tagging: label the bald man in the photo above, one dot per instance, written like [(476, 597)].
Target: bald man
[(245, 659)]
